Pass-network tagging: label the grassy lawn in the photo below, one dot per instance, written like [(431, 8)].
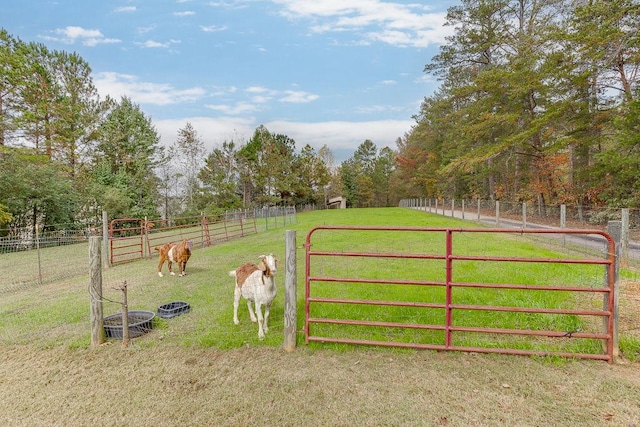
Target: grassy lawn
[(57, 313), (201, 369)]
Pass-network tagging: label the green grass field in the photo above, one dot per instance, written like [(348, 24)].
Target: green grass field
[(58, 313)]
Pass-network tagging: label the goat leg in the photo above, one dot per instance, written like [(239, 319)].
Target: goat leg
[(160, 263), (265, 327), (251, 313), (236, 303), (261, 322)]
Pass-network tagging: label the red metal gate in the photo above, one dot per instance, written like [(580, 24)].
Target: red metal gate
[(346, 307), (126, 239)]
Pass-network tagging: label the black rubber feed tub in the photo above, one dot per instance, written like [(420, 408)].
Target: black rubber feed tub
[(140, 322), (173, 309)]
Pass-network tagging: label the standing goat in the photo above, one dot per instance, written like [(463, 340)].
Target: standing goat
[(256, 283), (171, 253)]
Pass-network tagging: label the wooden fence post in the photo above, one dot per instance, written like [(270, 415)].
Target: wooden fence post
[(624, 250), (290, 278), (38, 252), (105, 238), (524, 215), (95, 291), (125, 315)]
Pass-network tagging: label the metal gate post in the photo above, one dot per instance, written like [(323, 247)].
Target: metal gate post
[(614, 228), (449, 278)]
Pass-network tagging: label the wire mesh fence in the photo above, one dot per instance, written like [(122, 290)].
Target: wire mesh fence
[(526, 215), (30, 257), (44, 285), (576, 216)]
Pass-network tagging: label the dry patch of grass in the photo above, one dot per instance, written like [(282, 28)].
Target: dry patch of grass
[(174, 385)]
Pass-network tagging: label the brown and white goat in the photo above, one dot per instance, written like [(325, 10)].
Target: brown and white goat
[(171, 253), (256, 283)]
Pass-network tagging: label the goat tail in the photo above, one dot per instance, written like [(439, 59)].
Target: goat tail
[(232, 273)]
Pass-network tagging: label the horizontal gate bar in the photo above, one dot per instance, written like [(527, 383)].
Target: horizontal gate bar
[(524, 332), (449, 306), (437, 347)]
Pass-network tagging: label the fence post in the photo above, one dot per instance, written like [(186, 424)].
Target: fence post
[(462, 208), (95, 291), (563, 221), (202, 234), (290, 279), (624, 238), (266, 218), (105, 238), (38, 252), (146, 250), (524, 214), (478, 209), (125, 315), (498, 213), (614, 228), (453, 207)]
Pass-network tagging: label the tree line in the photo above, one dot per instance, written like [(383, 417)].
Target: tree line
[(67, 155), (538, 102)]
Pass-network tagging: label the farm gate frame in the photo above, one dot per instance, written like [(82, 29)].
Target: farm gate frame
[(447, 327)]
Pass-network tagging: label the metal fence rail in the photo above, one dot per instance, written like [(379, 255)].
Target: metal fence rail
[(453, 313)]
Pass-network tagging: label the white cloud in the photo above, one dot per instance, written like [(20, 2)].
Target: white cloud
[(152, 44), (379, 109), (212, 28), (298, 97), (260, 99), (119, 85), (236, 109), (392, 23), (143, 30), (343, 138), (72, 34), (258, 89), (213, 131), (125, 9), (185, 13), (233, 4), (343, 135), (426, 79)]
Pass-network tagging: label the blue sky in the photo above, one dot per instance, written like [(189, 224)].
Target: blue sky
[(332, 72)]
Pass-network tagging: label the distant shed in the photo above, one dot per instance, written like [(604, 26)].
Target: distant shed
[(337, 203)]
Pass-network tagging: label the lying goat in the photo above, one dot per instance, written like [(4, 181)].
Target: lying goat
[(256, 283), (171, 253)]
